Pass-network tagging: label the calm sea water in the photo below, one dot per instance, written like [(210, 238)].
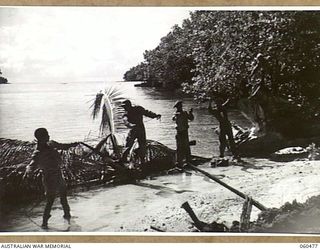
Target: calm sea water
[(64, 110)]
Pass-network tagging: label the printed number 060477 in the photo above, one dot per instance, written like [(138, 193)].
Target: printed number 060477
[(308, 245)]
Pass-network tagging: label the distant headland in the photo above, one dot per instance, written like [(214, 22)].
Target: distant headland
[(2, 79)]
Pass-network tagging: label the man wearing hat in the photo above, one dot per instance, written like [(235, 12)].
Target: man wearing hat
[(181, 118), (133, 118)]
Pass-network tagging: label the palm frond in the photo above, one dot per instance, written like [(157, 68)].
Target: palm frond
[(101, 143), (96, 106), (104, 119), (108, 103), (110, 114)]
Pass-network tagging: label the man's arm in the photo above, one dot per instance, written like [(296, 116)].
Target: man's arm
[(127, 123), (226, 103), (150, 114), (190, 115), (33, 164), (62, 146)]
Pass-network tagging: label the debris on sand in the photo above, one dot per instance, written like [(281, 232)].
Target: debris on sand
[(290, 218), (290, 154)]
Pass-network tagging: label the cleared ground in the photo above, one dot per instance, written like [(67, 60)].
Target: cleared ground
[(156, 202)]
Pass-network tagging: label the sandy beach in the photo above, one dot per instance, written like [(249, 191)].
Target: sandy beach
[(157, 202)]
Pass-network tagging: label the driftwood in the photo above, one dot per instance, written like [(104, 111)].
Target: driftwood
[(242, 195), (203, 226), (245, 215)]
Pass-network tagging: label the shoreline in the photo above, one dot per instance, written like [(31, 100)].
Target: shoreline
[(156, 201)]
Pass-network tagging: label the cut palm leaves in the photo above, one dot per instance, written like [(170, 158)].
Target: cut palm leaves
[(107, 104)]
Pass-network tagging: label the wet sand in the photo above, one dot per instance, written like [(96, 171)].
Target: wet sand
[(156, 202)]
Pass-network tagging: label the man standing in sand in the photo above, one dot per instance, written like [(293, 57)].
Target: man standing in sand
[(47, 158), (133, 119), (225, 128), (181, 118)]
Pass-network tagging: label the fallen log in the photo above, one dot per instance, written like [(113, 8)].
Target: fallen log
[(203, 226), (242, 195), (198, 224)]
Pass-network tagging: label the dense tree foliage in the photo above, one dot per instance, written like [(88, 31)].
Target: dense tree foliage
[(270, 57), (137, 73), (170, 63), (226, 43)]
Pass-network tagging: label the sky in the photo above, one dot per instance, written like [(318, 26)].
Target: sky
[(67, 44)]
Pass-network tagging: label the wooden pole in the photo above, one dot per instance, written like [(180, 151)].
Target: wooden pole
[(242, 195)]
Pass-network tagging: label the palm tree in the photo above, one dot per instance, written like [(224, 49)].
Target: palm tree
[(107, 104)]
